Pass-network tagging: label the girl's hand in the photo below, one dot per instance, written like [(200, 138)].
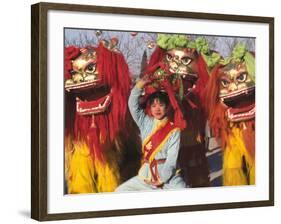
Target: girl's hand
[(143, 81), (157, 183), (154, 183)]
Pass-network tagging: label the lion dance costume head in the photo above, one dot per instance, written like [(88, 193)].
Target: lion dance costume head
[(97, 85), (230, 102), (178, 66)]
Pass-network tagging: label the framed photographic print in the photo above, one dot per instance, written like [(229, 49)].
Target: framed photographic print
[(138, 111)]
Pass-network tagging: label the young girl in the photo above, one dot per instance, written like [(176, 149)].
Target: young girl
[(160, 144)]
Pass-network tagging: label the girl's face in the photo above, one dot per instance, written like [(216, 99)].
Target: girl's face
[(158, 109)]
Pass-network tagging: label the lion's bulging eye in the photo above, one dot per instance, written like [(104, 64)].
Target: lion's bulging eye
[(224, 83), (91, 68), (242, 77), (169, 57), (73, 72), (186, 60)]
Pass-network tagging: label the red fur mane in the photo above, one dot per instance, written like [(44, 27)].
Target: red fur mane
[(215, 110)]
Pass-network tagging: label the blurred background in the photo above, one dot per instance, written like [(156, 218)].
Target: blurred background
[(137, 47)]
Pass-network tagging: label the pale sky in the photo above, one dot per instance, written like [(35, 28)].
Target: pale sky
[(133, 46)]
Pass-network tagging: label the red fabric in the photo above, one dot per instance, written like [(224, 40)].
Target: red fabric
[(116, 75), (71, 52), (202, 79), (154, 60), (157, 138), (178, 116), (214, 109), (69, 110)]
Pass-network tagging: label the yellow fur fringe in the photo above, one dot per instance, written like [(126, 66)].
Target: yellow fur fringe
[(84, 174), (233, 173)]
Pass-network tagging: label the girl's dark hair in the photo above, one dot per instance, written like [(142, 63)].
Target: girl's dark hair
[(161, 96)]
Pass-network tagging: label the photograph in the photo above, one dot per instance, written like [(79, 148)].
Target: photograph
[(157, 111)]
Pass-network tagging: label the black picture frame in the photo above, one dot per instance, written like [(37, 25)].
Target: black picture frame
[(39, 108)]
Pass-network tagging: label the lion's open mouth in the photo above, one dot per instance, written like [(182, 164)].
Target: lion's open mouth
[(189, 82), (92, 97), (94, 106), (76, 87), (241, 104)]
